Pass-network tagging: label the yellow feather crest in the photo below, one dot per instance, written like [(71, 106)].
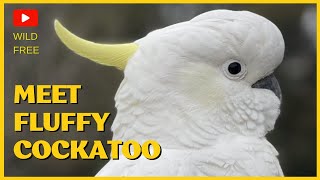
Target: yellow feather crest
[(116, 55)]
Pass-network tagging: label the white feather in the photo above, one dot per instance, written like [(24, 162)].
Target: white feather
[(176, 92)]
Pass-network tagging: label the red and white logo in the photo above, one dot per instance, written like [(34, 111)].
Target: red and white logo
[(25, 17)]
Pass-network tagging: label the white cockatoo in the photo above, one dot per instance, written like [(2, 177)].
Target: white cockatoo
[(203, 89)]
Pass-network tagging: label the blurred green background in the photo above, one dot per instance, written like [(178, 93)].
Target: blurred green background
[(294, 135)]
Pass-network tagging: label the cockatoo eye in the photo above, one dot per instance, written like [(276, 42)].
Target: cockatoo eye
[(234, 69)]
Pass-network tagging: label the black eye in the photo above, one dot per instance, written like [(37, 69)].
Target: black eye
[(234, 68)]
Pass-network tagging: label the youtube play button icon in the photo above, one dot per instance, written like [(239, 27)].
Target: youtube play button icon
[(25, 17)]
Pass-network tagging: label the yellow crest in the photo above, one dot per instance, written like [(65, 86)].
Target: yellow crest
[(116, 55)]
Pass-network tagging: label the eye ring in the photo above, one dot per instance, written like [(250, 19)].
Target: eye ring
[(234, 69)]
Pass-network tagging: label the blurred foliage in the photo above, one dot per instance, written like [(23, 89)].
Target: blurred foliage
[(294, 135)]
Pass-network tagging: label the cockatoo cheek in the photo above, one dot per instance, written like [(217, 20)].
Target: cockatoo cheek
[(252, 110)]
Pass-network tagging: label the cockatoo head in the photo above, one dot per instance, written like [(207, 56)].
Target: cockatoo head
[(194, 81)]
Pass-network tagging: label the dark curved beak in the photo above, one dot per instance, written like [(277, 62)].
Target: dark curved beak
[(270, 82)]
